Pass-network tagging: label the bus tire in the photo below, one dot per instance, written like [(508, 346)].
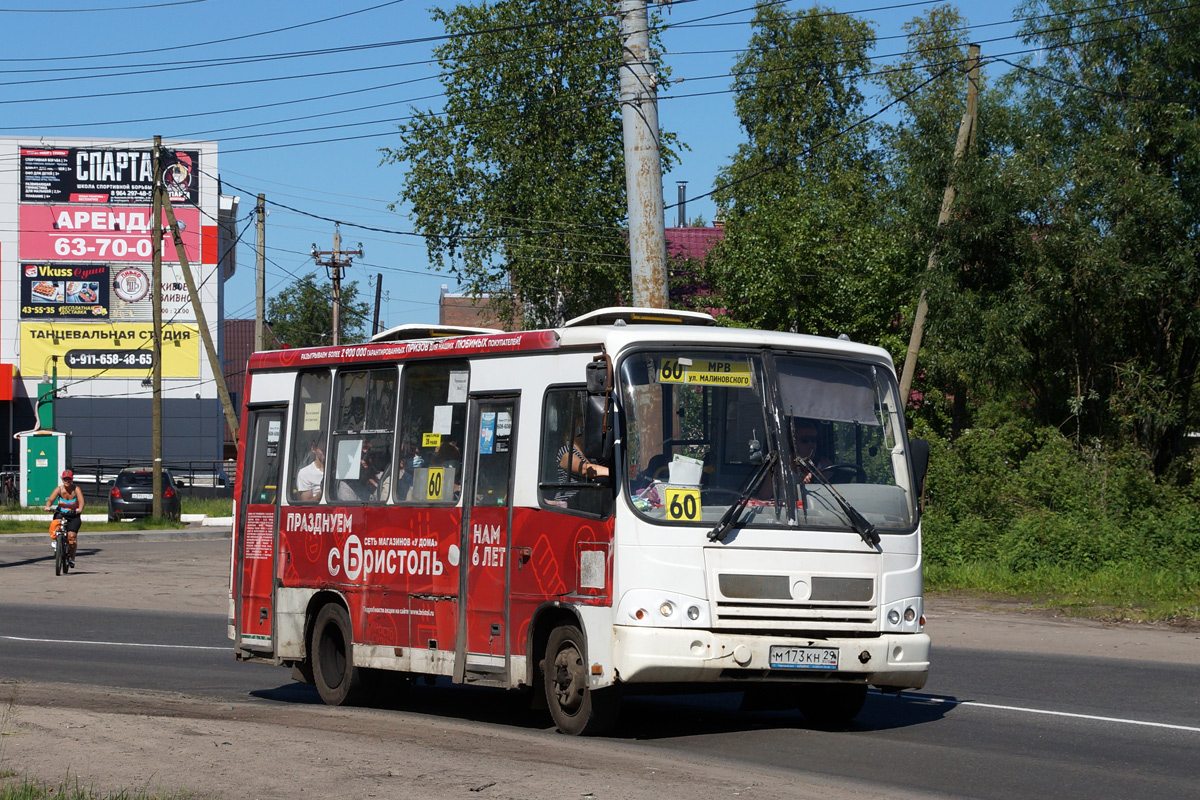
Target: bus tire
[(831, 705), (338, 681), (577, 709)]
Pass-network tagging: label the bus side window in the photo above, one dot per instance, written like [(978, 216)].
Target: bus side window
[(363, 436), (433, 426), (567, 479), (310, 426)]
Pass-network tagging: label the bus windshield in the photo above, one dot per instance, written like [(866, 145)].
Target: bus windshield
[(698, 424)]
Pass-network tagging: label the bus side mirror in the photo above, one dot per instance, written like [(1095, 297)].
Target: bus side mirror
[(598, 376), (918, 450), (597, 436), (597, 420)]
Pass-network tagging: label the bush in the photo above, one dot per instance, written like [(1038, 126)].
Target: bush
[(1024, 499)]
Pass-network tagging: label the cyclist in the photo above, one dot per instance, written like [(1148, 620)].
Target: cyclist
[(69, 498)]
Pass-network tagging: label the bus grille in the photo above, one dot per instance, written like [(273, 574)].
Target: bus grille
[(787, 617)]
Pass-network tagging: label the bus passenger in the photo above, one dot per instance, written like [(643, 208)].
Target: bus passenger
[(572, 462), (311, 477)]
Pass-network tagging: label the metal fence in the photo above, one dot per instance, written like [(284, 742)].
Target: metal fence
[(95, 476)]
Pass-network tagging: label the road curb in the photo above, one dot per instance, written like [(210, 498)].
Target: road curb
[(185, 534)]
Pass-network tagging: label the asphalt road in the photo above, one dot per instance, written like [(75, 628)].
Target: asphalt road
[(992, 723)]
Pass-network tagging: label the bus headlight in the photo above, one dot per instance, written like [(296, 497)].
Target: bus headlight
[(662, 609), (904, 616)]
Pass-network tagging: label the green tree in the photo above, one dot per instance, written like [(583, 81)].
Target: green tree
[(1076, 242), (802, 251), (519, 183), (302, 314), (928, 85)]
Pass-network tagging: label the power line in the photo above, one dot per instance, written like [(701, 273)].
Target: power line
[(89, 10), (208, 43)]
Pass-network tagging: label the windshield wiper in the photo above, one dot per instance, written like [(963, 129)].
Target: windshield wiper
[(862, 526), (755, 478)]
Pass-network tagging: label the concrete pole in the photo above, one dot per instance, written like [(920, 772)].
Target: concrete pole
[(643, 167)]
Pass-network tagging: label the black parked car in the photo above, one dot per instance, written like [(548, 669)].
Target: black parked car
[(132, 495)]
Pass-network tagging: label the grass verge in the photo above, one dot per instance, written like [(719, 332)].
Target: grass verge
[(28, 789), (212, 506), (43, 526), (1127, 593)]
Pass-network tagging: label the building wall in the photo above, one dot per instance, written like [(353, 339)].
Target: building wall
[(462, 310), (120, 430), (62, 212)]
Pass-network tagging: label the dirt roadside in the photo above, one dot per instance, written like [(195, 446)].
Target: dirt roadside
[(127, 740)]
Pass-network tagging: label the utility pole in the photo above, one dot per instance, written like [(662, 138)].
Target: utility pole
[(643, 165), (202, 322), (337, 260), (378, 296), (966, 134), (260, 274), (156, 302)]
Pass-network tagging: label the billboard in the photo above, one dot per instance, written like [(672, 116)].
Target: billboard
[(121, 293), (117, 350), (117, 176), (102, 233), (64, 291)]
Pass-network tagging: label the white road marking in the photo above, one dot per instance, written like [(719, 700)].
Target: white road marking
[(1094, 717), (921, 697), (116, 644)]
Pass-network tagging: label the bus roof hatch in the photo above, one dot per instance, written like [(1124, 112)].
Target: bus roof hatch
[(627, 315), (417, 331)]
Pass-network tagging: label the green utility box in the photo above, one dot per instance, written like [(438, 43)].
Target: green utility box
[(44, 455)]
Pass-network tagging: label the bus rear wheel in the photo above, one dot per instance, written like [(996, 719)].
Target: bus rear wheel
[(577, 709), (338, 681), (831, 705)]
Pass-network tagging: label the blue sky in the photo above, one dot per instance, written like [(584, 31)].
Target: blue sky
[(69, 71)]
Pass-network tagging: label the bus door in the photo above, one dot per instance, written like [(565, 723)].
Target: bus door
[(258, 518), (483, 642)]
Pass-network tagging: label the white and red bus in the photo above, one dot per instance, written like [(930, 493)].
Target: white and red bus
[(636, 500)]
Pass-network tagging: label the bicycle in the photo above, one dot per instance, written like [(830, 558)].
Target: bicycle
[(62, 556)]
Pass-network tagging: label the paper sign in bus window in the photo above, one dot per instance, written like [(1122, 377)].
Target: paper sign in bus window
[(312, 416), (349, 459), (443, 418), (458, 387), (487, 432)]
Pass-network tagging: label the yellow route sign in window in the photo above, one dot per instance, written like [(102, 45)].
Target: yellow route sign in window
[(704, 372), (434, 486), (683, 505)]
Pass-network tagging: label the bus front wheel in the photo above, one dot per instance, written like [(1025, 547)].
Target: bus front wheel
[(338, 681), (577, 709)]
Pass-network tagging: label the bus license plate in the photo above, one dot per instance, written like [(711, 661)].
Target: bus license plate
[(142, 495), (783, 657)]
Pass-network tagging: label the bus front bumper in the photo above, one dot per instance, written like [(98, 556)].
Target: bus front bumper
[(658, 655)]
